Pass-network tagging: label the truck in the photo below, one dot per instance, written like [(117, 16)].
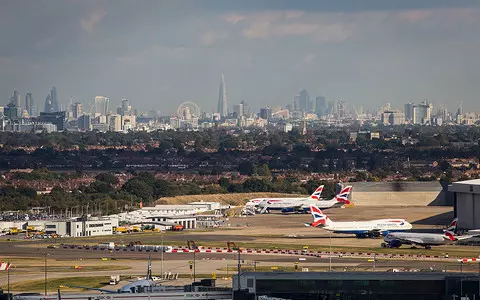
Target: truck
[(109, 246), (114, 279)]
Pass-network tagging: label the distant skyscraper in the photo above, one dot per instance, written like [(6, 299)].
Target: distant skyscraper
[(76, 110), (296, 102), (15, 100), (29, 104), (48, 104), (102, 105), (304, 100), (125, 107), (320, 105), (265, 113), (409, 111), (422, 112), (222, 99), (54, 99), (238, 110)]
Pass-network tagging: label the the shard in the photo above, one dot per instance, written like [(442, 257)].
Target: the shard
[(222, 100)]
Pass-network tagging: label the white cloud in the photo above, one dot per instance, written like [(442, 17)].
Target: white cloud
[(233, 18), (309, 58), (334, 33), (414, 16), (292, 14), (92, 20), (257, 30), (211, 37), (152, 52), (294, 29)]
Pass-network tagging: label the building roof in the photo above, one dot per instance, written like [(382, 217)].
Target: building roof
[(469, 182), (350, 275), (173, 217)]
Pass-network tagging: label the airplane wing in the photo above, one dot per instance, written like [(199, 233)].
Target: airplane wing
[(93, 289), (415, 241)]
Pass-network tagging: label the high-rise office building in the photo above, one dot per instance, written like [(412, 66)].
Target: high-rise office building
[(76, 110), (320, 105), (16, 99), (54, 99), (101, 105), (265, 113), (84, 122), (29, 104), (296, 102), (126, 108), (222, 108), (422, 112), (238, 110), (409, 111), (48, 104), (304, 100)]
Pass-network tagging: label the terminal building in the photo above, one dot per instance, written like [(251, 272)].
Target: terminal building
[(466, 203), (356, 285), (76, 228)]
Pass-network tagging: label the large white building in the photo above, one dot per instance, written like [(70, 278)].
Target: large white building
[(422, 113), (467, 203)]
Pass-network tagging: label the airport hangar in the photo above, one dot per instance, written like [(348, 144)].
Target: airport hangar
[(466, 199)]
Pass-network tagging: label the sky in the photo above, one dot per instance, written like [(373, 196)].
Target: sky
[(159, 54)]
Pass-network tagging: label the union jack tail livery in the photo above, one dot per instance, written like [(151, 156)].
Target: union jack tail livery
[(319, 218), (318, 192), (453, 226), (343, 195), (450, 235)]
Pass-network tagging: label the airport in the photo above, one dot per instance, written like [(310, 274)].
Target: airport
[(279, 247)]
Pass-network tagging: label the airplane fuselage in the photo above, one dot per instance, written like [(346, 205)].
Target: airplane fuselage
[(411, 238), (359, 228)]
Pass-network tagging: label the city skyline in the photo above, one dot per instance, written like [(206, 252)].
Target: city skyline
[(369, 55)]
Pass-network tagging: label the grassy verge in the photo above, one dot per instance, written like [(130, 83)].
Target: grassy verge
[(54, 284)]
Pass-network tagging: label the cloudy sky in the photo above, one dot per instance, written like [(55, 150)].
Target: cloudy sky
[(160, 53)]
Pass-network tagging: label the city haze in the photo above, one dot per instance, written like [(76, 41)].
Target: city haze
[(159, 54)]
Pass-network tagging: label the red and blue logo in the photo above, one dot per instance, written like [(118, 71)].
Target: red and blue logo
[(317, 193), (343, 195), (318, 217)]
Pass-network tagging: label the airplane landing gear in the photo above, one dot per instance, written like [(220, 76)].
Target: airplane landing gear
[(428, 247)]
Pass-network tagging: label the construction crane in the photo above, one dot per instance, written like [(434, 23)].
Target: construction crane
[(191, 245), (232, 246)]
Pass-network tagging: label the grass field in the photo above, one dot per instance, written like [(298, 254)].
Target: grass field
[(54, 284)]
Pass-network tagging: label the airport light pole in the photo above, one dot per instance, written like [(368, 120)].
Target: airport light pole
[(330, 254), (161, 268), (194, 263), (461, 279), (45, 274), (8, 279)]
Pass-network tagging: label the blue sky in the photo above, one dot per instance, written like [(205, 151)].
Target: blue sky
[(159, 54)]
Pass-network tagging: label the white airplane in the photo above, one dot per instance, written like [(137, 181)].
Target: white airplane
[(315, 196), (427, 240), (303, 206), (362, 229)]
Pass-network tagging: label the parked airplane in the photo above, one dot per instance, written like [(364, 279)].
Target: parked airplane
[(315, 196), (337, 201), (362, 229), (427, 240)]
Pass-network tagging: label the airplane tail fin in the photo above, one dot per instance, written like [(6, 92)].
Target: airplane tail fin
[(450, 235), (344, 194), (452, 226), (317, 193), (319, 218)]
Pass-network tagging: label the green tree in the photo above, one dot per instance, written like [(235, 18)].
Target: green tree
[(107, 178), (264, 170), (246, 168)]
